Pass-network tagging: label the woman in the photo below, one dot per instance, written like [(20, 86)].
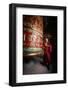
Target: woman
[(47, 52)]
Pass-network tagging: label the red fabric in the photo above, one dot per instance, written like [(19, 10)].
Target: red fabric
[(47, 53)]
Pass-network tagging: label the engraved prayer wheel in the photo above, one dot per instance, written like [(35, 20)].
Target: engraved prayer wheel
[(33, 33)]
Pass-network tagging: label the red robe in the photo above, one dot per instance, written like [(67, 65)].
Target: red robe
[(47, 53)]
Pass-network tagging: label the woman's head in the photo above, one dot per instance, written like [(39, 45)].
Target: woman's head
[(46, 40)]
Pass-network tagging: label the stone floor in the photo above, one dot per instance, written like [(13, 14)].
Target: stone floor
[(35, 66)]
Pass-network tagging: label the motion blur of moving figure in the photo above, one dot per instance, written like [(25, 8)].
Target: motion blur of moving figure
[(47, 52)]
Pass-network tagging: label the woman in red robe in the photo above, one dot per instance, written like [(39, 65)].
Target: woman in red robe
[(47, 51)]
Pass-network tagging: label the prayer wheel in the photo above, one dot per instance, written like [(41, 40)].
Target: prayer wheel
[(32, 33)]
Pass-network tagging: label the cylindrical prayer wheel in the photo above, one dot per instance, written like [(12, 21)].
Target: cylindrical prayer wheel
[(33, 33)]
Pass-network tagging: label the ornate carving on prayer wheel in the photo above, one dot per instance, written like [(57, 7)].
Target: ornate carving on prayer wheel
[(33, 33)]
